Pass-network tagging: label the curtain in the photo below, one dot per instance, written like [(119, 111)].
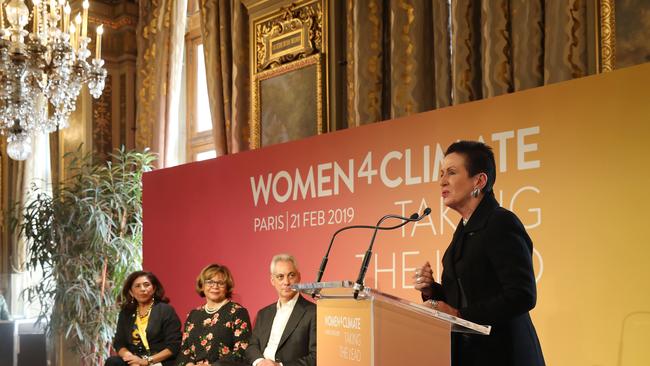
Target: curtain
[(441, 54), (565, 55), (16, 192), (365, 61), (23, 177), (160, 38), (411, 71), (409, 56), (527, 42), (224, 29)]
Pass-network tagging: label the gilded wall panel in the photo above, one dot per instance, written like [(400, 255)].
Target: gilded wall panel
[(102, 117)]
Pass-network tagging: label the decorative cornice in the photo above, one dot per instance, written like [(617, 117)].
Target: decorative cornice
[(117, 23)]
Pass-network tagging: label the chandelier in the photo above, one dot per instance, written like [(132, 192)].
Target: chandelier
[(42, 72)]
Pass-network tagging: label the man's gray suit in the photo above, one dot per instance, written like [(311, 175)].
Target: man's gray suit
[(298, 342)]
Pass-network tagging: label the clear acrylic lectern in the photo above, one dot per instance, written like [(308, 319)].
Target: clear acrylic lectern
[(378, 329)]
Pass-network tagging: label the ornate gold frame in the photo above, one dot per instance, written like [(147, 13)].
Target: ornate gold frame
[(288, 37), (606, 20), (288, 34), (255, 125)]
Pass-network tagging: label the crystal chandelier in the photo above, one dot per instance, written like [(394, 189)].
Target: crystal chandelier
[(42, 72)]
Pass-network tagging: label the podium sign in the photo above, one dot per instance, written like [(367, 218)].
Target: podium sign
[(345, 331), (379, 329)]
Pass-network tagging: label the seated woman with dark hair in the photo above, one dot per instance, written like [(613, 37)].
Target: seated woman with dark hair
[(216, 332), (148, 329)]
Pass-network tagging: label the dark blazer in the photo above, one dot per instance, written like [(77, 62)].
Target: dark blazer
[(298, 342), (163, 331), (488, 276)]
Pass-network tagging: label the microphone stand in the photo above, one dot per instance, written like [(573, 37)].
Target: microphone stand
[(358, 285), (323, 263)]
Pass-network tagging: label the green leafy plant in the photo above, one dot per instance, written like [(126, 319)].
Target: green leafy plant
[(86, 238)]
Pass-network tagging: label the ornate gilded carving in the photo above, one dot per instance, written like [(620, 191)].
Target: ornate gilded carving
[(350, 66), (297, 32), (607, 36), (118, 23), (123, 110), (102, 134)]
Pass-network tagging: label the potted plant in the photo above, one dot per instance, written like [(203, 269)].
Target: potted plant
[(85, 237)]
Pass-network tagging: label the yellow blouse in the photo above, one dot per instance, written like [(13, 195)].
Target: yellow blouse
[(141, 325)]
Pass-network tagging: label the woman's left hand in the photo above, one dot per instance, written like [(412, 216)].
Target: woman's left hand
[(446, 308)]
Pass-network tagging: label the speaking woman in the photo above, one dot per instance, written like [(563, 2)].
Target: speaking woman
[(148, 329), (488, 271)]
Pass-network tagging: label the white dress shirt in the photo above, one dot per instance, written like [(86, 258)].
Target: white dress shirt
[(279, 323)]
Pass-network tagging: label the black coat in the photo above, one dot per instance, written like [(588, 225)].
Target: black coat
[(488, 276), (298, 342), (163, 331)]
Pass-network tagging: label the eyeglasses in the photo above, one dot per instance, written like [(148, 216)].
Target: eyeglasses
[(211, 283), (290, 276)]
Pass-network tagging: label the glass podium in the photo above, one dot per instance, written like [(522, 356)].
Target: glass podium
[(379, 329)]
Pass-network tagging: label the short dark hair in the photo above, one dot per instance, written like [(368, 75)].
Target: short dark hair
[(479, 158), (127, 301), (209, 272)]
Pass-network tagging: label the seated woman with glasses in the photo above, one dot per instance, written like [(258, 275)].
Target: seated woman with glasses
[(218, 330)]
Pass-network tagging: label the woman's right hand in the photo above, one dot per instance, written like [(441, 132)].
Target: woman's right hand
[(132, 359), (423, 280), (129, 357)]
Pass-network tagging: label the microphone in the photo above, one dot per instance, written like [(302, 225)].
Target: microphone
[(358, 286), (323, 263)]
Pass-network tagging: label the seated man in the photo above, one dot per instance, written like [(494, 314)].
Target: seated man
[(285, 331)]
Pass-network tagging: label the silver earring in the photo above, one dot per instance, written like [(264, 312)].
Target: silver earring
[(476, 192)]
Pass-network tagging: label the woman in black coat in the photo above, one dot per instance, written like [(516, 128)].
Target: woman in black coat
[(488, 273), (148, 329)]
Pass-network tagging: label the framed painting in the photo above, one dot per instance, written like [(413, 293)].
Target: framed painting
[(287, 102)]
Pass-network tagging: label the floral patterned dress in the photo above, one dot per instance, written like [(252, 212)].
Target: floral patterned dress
[(219, 336)]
